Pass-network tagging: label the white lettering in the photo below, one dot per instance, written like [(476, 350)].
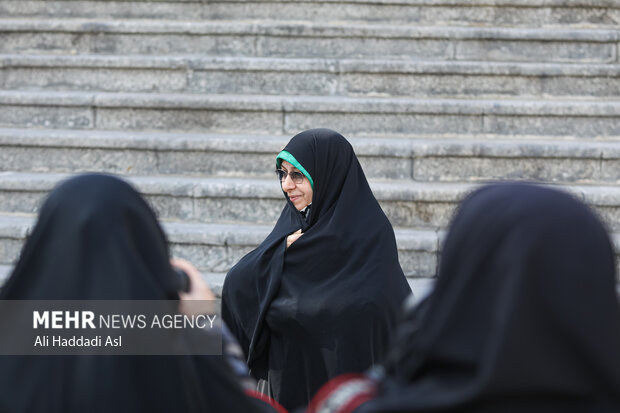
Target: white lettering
[(57, 319), (38, 319), (63, 319)]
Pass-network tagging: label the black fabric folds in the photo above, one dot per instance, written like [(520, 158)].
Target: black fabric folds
[(524, 316), (329, 303), (96, 238)]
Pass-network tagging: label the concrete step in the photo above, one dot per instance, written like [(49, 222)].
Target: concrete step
[(423, 158), (160, 153), (307, 39), (215, 280), (237, 200), (247, 201), (245, 75), (5, 271), (289, 114), (214, 248), (561, 160), (496, 12)]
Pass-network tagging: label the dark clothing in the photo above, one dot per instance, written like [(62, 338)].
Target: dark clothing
[(524, 316), (97, 239), (328, 304)]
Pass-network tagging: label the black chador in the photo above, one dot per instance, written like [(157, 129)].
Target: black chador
[(328, 304), (97, 239), (524, 316)]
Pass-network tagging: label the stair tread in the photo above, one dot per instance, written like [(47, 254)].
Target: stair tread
[(331, 65), (586, 107), (250, 187), (302, 28), (404, 146)]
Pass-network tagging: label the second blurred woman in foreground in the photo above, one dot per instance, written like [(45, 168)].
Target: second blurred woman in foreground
[(524, 317)]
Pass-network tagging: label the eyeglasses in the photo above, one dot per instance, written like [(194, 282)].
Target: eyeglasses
[(296, 177)]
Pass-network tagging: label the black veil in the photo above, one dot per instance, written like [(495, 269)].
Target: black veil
[(524, 316), (97, 239), (329, 303)]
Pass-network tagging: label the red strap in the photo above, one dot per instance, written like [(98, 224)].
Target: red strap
[(352, 390), (261, 396)]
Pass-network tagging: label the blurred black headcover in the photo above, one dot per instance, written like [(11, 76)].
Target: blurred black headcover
[(328, 304), (524, 316), (97, 239)]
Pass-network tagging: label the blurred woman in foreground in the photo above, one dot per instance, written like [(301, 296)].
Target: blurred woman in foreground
[(524, 317), (97, 239)]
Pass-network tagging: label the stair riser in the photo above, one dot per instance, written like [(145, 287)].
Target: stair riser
[(253, 210), (562, 170), (220, 258), (321, 47), (433, 13), (10, 249), (136, 161), (152, 162), (140, 119), (291, 121), (402, 124), (430, 168), (305, 83)]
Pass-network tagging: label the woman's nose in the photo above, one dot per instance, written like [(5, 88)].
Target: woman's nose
[(288, 183)]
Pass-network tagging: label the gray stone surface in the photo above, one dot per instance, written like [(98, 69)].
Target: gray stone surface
[(513, 12), (242, 75), (419, 286), (13, 231), (63, 78), (419, 157), (220, 200), (214, 248), (226, 200), (276, 114), (445, 168), (553, 161), (191, 120), (305, 39), (46, 116), (536, 51), (5, 271), (263, 82), (143, 153)]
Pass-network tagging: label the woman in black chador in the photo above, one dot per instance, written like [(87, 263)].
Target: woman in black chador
[(524, 316), (97, 239), (320, 295)]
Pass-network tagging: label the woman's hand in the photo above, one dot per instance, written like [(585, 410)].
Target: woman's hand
[(198, 299), (198, 289), (293, 237)]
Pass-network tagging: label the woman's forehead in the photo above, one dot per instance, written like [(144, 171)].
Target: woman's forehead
[(288, 166)]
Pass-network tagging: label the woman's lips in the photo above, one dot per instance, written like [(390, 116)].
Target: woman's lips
[(294, 198)]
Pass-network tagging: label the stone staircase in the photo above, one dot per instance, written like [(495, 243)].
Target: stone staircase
[(191, 100)]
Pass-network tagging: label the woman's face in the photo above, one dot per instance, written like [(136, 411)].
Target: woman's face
[(299, 194)]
